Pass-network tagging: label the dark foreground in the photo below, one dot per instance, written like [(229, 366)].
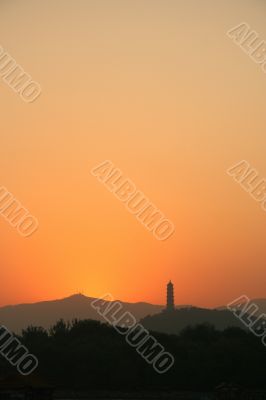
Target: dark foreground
[(83, 395), (89, 360), (180, 395)]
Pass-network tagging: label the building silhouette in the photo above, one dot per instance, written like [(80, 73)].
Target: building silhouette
[(170, 303)]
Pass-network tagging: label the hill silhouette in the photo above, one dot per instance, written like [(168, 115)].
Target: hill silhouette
[(175, 321), (261, 303), (47, 313), (78, 306)]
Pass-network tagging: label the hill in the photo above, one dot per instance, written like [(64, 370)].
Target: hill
[(78, 306), (175, 321), (47, 313)]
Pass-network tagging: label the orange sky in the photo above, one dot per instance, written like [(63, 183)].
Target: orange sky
[(158, 88)]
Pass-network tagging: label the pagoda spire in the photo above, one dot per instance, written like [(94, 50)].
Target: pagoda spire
[(170, 297)]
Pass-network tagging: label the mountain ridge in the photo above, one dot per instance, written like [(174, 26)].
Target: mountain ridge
[(78, 306)]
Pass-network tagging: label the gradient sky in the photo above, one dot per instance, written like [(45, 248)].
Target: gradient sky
[(157, 87)]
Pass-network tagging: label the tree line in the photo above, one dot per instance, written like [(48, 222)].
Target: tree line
[(92, 355)]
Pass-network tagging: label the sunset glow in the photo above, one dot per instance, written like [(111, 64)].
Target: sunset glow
[(158, 88)]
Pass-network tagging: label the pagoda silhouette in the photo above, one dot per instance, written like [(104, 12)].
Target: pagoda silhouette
[(170, 302)]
